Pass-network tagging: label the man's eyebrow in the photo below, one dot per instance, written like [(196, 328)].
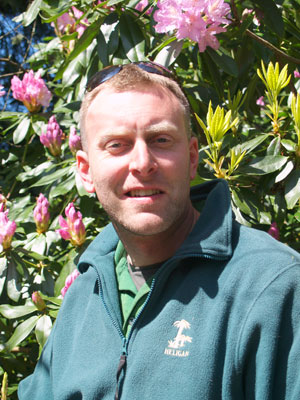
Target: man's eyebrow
[(161, 127)]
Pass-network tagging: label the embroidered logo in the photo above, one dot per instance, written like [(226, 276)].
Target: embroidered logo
[(179, 341)]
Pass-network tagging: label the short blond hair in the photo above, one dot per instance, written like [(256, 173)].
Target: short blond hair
[(132, 77)]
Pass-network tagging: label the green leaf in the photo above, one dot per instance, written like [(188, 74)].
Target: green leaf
[(3, 272), (50, 178), (264, 165), (246, 201), (21, 332), (113, 2), (292, 189), (64, 187), (272, 16), (13, 285), (132, 38), (285, 172), (289, 145), (223, 61), (43, 329), (54, 300), (108, 38), (250, 145), (39, 244), (169, 53), (21, 131), (83, 42), (11, 312), (32, 12), (274, 147), (31, 173)]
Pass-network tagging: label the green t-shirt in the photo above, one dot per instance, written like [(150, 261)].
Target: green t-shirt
[(131, 299)]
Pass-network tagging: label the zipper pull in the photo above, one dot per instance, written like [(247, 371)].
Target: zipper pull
[(122, 364)]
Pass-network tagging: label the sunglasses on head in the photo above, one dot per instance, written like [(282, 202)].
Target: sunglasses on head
[(108, 72)]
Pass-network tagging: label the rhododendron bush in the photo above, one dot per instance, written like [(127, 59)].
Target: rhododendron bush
[(238, 62)]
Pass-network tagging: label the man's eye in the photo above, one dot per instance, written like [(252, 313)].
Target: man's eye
[(116, 147), (162, 140)]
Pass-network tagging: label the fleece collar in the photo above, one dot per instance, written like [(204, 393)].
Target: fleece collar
[(211, 236)]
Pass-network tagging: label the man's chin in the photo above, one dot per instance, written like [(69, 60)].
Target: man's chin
[(147, 226)]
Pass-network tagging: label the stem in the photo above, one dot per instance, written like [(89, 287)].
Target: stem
[(272, 47)]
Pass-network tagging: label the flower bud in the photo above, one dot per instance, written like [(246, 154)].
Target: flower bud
[(7, 229), (274, 231), (41, 214), (73, 228), (74, 141), (53, 137), (38, 301)]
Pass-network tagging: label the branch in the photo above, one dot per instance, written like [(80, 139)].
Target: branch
[(19, 66), (273, 48)]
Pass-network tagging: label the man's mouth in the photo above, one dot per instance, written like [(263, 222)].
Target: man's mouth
[(142, 192)]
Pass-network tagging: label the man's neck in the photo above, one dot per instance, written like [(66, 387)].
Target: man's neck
[(146, 250)]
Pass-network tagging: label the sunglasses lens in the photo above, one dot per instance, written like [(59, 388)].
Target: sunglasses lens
[(102, 76), (155, 69), (110, 71)]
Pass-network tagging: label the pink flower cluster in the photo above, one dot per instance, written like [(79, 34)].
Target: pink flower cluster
[(32, 91), (296, 74), (53, 137), (142, 5), (7, 228), (41, 214), (74, 141), (68, 22), (73, 228), (274, 231), (199, 20), (70, 279), (260, 101)]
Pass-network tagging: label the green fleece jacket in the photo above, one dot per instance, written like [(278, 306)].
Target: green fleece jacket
[(221, 321)]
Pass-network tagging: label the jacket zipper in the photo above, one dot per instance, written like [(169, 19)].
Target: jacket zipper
[(125, 341)]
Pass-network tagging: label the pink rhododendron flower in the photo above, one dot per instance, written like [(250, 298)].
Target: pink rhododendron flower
[(2, 92), (199, 20), (70, 279), (255, 13), (7, 229), (274, 231), (67, 22), (73, 228), (41, 214), (38, 301), (296, 74), (74, 140), (142, 5), (260, 101), (32, 91), (53, 137)]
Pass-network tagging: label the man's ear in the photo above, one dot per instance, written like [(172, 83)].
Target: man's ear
[(194, 157), (83, 168)]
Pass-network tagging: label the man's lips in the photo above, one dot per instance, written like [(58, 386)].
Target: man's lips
[(142, 192)]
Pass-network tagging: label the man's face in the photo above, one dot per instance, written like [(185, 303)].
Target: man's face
[(139, 159)]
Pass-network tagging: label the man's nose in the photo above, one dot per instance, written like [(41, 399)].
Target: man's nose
[(142, 161)]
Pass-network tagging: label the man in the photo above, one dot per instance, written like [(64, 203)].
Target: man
[(175, 299)]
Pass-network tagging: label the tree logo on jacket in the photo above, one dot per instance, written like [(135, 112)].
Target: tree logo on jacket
[(175, 346)]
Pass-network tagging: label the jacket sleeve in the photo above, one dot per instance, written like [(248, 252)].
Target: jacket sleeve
[(268, 354), (38, 386)]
